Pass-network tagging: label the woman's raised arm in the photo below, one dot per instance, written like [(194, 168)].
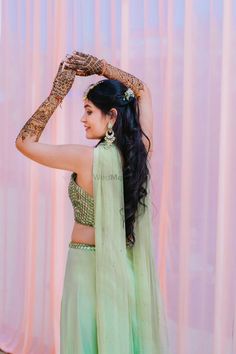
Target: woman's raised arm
[(34, 127)]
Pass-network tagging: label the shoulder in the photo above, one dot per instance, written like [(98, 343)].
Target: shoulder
[(84, 154), (83, 150)]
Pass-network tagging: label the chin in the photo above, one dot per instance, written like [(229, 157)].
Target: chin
[(89, 135)]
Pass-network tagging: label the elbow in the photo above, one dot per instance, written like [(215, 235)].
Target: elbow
[(145, 92), (146, 89), (23, 147), (22, 142), (17, 143)]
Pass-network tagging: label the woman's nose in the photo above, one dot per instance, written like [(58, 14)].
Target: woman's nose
[(82, 118)]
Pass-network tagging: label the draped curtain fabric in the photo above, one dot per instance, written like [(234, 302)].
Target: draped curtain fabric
[(185, 51)]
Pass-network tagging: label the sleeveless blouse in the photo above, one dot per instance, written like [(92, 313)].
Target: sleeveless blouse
[(82, 202)]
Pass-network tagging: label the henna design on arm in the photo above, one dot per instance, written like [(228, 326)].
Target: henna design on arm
[(86, 64), (34, 127), (131, 81)]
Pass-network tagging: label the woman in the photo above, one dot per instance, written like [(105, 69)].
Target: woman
[(111, 301)]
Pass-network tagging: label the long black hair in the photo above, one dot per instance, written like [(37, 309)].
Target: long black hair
[(109, 94)]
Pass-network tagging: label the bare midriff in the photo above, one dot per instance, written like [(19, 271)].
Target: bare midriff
[(83, 234)]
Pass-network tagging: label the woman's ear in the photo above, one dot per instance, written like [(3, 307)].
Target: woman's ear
[(113, 114)]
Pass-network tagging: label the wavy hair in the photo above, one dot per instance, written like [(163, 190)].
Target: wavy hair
[(107, 94)]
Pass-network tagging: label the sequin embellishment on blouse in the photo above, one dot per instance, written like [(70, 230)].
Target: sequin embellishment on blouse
[(82, 202)]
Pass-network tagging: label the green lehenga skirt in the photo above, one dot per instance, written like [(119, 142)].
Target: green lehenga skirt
[(78, 325), (78, 333), (112, 301)]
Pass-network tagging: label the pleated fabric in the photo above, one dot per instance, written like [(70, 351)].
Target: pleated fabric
[(78, 325), (129, 320), (111, 298), (78, 332)]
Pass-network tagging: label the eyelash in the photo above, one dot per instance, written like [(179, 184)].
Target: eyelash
[(89, 112)]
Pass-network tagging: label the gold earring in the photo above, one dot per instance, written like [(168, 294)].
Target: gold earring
[(109, 138)]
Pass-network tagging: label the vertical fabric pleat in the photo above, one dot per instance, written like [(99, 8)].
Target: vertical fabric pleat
[(130, 312)]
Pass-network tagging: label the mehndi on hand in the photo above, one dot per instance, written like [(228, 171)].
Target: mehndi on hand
[(85, 64), (63, 81)]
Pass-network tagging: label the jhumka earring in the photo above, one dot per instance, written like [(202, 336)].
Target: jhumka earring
[(109, 138)]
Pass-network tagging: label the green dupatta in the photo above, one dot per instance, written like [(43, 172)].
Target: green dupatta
[(129, 308)]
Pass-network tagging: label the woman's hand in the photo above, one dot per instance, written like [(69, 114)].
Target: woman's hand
[(63, 81), (85, 64)]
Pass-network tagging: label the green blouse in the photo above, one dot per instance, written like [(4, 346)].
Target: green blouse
[(82, 202)]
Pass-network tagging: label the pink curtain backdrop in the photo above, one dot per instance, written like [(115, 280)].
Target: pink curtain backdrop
[(186, 52)]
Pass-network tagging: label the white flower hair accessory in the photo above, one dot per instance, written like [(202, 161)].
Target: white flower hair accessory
[(128, 93)]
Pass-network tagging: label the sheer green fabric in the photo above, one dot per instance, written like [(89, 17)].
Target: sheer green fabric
[(129, 308)]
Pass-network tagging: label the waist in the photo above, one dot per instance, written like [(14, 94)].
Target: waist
[(87, 246), (82, 246), (83, 234)]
